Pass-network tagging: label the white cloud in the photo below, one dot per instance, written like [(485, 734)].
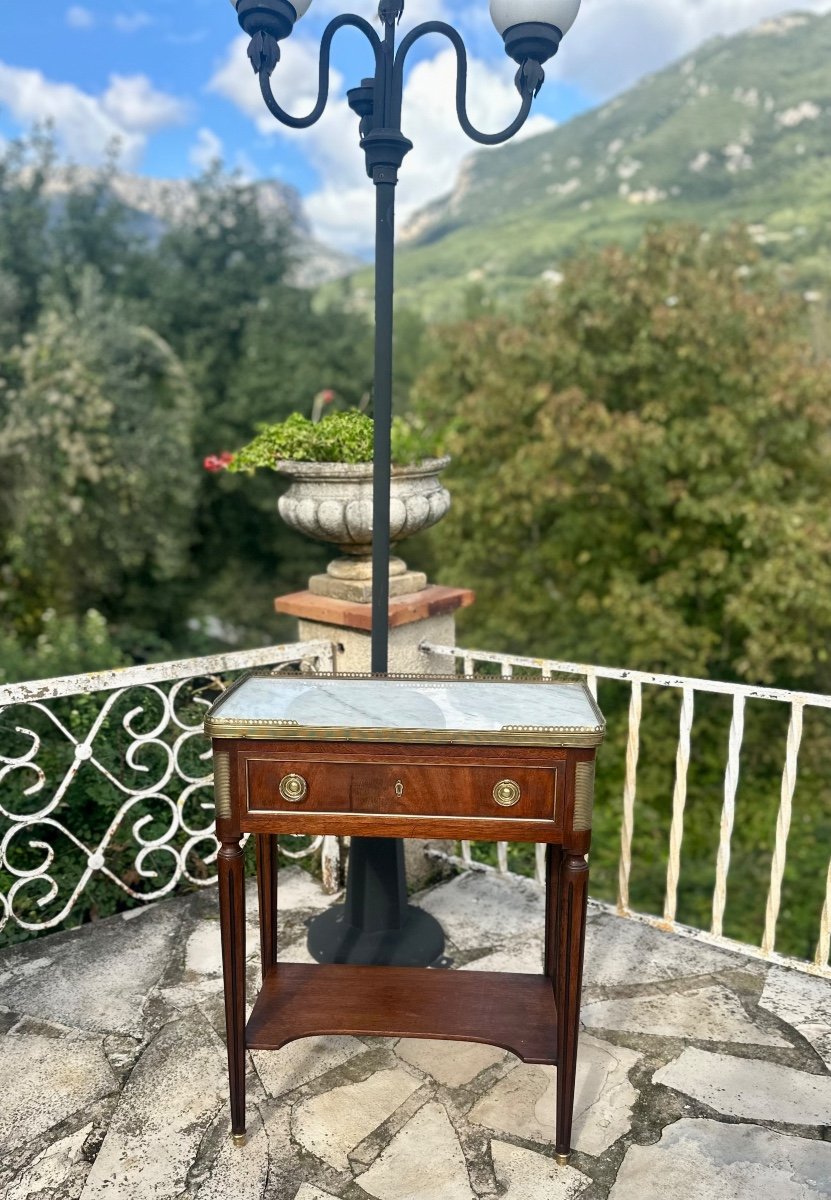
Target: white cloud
[(85, 125), (206, 150), (79, 18), (615, 42), (133, 102), (342, 210), (131, 22)]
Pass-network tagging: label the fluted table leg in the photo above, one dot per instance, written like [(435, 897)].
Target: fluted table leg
[(232, 925), (267, 892), (574, 881)]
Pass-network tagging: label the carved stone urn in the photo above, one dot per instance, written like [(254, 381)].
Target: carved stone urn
[(332, 502)]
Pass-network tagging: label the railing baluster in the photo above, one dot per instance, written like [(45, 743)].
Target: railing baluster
[(467, 857), (728, 813), (502, 857), (783, 826), (330, 861), (539, 863), (679, 800), (823, 954), (629, 790)]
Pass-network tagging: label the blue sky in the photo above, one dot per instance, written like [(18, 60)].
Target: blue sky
[(169, 79)]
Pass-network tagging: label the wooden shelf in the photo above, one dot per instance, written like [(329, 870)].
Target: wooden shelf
[(516, 1012)]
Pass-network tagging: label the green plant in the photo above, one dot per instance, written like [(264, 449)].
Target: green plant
[(343, 437)]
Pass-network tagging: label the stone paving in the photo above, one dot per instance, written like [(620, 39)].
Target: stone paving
[(703, 1074)]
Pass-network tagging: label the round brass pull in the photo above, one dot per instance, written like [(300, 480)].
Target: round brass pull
[(507, 793), (293, 788)]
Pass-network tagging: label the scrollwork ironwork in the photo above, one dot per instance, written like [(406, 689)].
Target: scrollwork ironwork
[(140, 751)]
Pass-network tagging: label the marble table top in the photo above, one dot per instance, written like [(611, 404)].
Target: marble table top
[(493, 711)]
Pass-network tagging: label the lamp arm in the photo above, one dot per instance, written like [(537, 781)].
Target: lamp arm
[(332, 28), (527, 82)]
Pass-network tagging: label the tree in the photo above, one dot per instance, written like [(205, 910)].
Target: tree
[(640, 478), (24, 242), (203, 280), (97, 450), (641, 466)]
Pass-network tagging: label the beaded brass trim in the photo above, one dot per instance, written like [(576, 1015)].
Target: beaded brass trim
[(517, 735), (583, 796), (222, 785), (257, 730)]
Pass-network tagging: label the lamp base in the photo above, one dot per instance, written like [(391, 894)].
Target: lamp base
[(418, 943), (376, 926)]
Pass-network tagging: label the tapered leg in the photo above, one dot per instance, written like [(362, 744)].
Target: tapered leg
[(232, 925), (553, 863), (267, 892), (574, 881)]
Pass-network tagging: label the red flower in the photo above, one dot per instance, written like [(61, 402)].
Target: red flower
[(327, 396), (218, 462)]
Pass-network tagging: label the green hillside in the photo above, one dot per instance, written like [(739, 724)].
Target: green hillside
[(740, 130)]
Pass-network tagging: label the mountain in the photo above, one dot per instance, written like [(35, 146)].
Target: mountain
[(739, 130), (159, 202)]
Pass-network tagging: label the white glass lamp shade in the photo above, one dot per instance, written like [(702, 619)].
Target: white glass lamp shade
[(560, 13)]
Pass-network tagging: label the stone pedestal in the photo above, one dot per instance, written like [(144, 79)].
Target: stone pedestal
[(428, 615), (351, 579)]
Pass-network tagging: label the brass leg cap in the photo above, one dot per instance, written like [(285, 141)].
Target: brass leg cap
[(562, 1160), (239, 1139)]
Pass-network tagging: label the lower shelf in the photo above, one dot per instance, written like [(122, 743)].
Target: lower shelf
[(516, 1012)]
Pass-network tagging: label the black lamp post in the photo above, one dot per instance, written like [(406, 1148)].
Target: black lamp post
[(376, 925)]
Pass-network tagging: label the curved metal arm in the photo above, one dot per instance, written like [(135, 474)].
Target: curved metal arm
[(485, 139), (323, 76)]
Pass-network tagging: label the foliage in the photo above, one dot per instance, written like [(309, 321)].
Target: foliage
[(96, 511), (646, 451), (128, 350), (64, 645), (638, 473), (341, 437)]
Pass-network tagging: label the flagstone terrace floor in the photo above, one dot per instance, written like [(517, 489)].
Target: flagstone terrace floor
[(703, 1074)]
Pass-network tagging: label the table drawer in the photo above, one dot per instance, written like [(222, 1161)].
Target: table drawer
[(415, 789)]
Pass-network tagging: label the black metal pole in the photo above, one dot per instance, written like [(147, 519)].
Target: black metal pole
[(382, 412), (375, 924)]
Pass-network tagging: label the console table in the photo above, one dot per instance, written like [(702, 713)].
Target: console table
[(405, 757)]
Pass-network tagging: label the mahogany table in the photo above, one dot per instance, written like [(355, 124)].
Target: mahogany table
[(406, 757)]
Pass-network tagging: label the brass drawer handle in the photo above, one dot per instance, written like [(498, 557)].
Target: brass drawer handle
[(293, 788), (507, 793)]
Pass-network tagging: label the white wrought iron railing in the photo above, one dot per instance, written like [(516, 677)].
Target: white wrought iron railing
[(689, 689), (129, 742), (161, 823)]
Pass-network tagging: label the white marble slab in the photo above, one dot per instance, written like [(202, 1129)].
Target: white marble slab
[(408, 705)]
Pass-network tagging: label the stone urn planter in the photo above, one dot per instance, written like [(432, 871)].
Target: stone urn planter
[(332, 502)]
